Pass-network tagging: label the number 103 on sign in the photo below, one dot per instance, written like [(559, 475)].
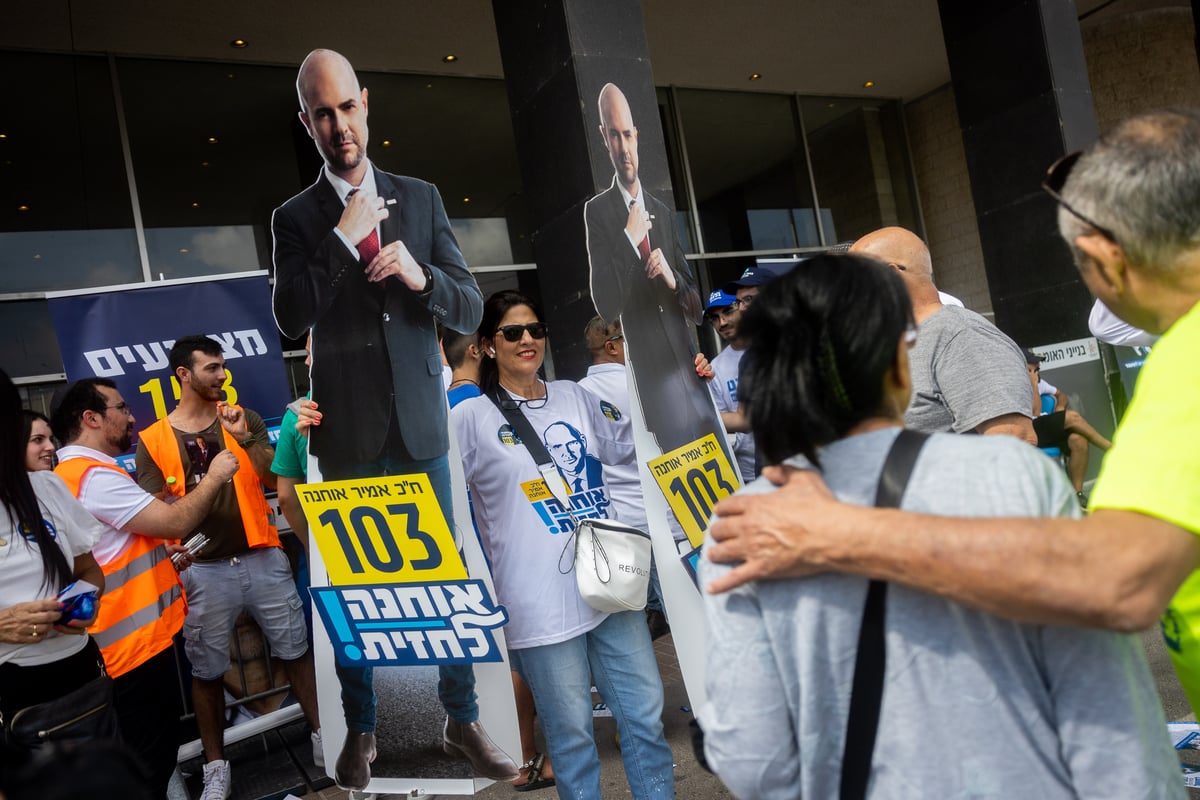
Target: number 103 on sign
[(693, 478)]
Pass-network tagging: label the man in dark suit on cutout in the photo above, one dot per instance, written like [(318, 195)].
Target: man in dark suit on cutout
[(367, 260), (630, 235)]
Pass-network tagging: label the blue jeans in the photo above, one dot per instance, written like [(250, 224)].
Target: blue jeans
[(456, 682), (619, 657)]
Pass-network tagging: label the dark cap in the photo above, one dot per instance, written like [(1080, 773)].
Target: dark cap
[(756, 276), (719, 299), (1032, 357)]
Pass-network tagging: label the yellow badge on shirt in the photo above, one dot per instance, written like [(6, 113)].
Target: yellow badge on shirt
[(381, 530), (693, 478)]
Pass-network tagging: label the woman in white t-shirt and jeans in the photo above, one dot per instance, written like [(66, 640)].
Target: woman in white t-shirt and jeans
[(558, 643), (46, 540)]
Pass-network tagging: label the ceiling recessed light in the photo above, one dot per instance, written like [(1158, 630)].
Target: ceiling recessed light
[(22, 207), (183, 249), (204, 163), (868, 84), (3, 135), (386, 142), (429, 86), (212, 140), (466, 199), (450, 58), (195, 205), (239, 43), (37, 256), (755, 76)]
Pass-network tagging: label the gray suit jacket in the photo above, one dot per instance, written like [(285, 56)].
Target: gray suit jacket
[(375, 350)]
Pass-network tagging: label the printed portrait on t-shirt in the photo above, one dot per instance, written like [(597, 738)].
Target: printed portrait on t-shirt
[(568, 447), (201, 450)]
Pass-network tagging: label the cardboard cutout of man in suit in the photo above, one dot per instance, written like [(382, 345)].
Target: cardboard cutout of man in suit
[(367, 260), (639, 274)]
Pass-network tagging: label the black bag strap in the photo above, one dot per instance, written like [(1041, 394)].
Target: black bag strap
[(866, 694)]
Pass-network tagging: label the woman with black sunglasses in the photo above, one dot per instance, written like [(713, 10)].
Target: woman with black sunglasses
[(972, 705), (558, 643)]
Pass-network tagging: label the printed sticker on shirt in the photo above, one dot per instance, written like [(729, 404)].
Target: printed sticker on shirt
[(381, 530), (585, 504), (693, 478), (411, 624), (508, 436), (610, 411)]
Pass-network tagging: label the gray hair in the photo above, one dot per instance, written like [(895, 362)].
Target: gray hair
[(1142, 181)]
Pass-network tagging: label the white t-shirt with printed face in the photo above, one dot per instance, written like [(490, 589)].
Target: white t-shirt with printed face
[(21, 575), (523, 526)]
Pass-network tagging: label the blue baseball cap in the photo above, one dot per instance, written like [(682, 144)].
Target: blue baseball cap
[(719, 299)]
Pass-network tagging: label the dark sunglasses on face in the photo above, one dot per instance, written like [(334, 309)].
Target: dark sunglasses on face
[(1056, 179), (513, 333)]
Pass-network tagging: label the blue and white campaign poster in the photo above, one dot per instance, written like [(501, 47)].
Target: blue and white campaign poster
[(124, 333)]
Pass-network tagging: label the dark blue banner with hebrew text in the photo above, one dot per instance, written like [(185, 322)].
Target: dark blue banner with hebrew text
[(125, 334)]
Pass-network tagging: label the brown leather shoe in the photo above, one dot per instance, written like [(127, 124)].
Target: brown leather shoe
[(353, 770), (470, 741)]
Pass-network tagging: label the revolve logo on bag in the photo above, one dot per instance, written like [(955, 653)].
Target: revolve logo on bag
[(633, 569)]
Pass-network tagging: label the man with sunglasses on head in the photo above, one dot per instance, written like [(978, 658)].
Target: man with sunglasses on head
[(967, 375), (1129, 208), (368, 261)]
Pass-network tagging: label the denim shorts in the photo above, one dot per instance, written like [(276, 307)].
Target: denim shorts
[(259, 582)]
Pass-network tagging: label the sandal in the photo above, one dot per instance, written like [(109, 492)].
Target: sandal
[(533, 775)]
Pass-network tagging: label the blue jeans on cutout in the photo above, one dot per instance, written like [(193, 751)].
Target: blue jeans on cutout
[(456, 682), (619, 657)]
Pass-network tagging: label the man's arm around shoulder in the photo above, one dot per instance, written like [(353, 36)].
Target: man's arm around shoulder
[(1114, 569)]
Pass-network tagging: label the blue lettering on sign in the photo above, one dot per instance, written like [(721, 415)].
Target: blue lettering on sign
[(411, 624), (588, 504)]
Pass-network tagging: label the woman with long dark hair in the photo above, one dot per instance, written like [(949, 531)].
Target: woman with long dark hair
[(39, 452), (972, 705), (46, 540), (558, 643)]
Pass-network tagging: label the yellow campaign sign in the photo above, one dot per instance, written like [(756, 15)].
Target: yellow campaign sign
[(381, 530), (693, 478)]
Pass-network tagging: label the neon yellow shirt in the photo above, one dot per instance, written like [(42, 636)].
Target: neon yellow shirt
[(1154, 468)]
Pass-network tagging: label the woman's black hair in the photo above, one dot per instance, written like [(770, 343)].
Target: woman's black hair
[(820, 341), (16, 492), (494, 309), (28, 416)]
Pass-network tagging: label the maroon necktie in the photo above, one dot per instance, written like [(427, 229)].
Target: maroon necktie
[(644, 245), (368, 248)]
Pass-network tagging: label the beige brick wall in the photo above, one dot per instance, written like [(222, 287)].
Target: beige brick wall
[(940, 167), (1137, 61)]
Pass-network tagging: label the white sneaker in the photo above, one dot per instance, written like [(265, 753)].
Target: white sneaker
[(318, 750), (217, 782)]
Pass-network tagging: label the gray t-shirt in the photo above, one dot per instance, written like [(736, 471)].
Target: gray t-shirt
[(965, 371), (974, 706)]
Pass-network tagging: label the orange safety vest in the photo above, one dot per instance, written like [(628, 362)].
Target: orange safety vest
[(257, 517), (143, 605)]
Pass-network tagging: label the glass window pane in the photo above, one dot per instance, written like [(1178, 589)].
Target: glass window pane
[(214, 150), (748, 169), (65, 212), (28, 345), (860, 165)]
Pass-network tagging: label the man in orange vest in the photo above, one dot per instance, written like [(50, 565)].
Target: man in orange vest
[(243, 567), (143, 607)]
